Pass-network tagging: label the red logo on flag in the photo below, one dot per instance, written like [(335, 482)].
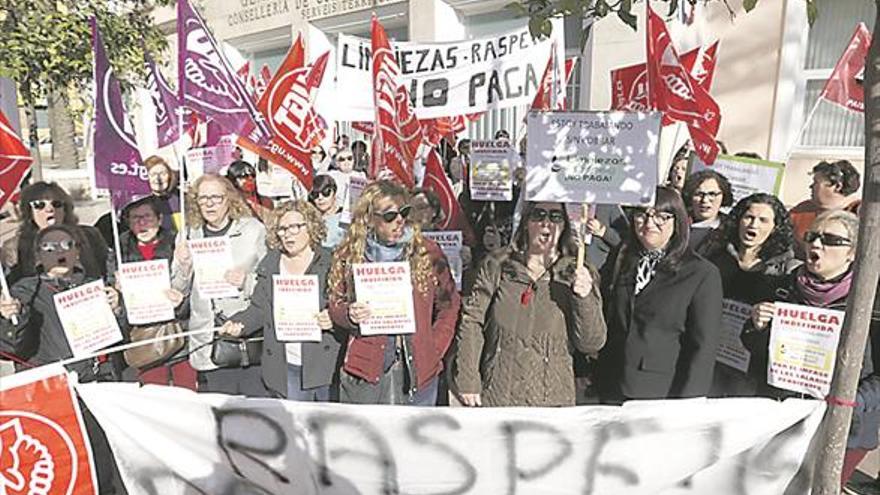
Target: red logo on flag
[(845, 86)]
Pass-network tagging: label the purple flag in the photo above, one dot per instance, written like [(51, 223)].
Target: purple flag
[(118, 164), (207, 83), (166, 103)]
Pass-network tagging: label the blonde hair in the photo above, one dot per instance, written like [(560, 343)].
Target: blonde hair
[(351, 249), (849, 221), (314, 223), (238, 209)]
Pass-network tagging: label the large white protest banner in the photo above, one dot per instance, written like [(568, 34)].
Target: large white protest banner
[(87, 319), (491, 170), (730, 348), (450, 242), (144, 285), (387, 289), (295, 306), (449, 79), (746, 175), (212, 258), (173, 441), (803, 348), (592, 157)]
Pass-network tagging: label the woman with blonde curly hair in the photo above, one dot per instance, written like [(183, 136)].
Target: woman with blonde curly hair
[(302, 371), (216, 209), (392, 369)]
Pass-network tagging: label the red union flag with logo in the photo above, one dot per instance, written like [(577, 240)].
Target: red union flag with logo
[(398, 133), (43, 444), (453, 216), (15, 161), (845, 87)]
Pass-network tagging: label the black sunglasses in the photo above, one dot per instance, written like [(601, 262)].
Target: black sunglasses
[(540, 214), (39, 204), (391, 215), (326, 192), (53, 246), (827, 239)]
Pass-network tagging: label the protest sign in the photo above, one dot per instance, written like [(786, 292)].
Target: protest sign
[(450, 79), (212, 258), (592, 157), (295, 304), (276, 183), (144, 286), (209, 159), (450, 243), (803, 348), (43, 444), (730, 349), (87, 319), (355, 187), (239, 445), (746, 175), (491, 171), (387, 289)]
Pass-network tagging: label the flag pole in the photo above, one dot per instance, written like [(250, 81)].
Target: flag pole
[(4, 286), (803, 129), (181, 173), (115, 224)]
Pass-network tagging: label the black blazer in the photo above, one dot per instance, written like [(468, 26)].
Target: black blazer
[(662, 342)]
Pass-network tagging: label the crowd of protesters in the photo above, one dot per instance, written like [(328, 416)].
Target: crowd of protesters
[(639, 319)]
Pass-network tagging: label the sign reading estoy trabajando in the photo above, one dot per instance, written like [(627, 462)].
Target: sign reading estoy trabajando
[(387, 289), (803, 348), (448, 79), (592, 157)]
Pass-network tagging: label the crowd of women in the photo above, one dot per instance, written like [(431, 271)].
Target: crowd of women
[(641, 318)]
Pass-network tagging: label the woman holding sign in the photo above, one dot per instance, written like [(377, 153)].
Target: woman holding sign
[(824, 281), (300, 354), (392, 292), (530, 308), (215, 266), (663, 306)]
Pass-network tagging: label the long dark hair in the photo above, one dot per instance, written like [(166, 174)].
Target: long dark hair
[(668, 200), (27, 230), (566, 246), (781, 240)]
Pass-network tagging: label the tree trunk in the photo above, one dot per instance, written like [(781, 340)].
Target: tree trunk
[(34, 141), (864, 288), (64, 148)]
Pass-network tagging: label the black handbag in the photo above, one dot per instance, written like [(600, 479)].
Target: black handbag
[(236, 352)]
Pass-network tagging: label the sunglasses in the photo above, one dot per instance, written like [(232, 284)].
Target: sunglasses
[(540, 214), (326, 192), (391, 215), (827, 239), (55, 246), (40, 204), (349, 158)]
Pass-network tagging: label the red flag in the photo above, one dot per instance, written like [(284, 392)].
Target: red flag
[(845, 86), (398, 133), (287, 105), (15, 160), (543, 98), (365, 127), (673, 90), (244, 71), (453, 217)]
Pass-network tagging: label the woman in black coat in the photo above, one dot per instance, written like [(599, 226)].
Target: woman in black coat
[(302, 371), (663, 310)]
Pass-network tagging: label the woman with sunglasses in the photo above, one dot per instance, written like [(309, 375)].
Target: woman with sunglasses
[(663, 307), (704, 194), (824, 280), (389, 369), (530, 309), (342, 170), (753, 249), (215, 209), (323, 197), (42, 205), (294, 370), (244, 176)]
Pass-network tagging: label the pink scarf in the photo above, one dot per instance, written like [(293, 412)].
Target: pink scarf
[(822, 293)]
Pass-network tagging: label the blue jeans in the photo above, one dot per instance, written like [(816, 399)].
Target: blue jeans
[(296, 392)]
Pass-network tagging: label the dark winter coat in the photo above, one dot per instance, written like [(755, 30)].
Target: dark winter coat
[(517, 354)]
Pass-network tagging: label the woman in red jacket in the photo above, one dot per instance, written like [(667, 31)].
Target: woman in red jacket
[(392, 369)]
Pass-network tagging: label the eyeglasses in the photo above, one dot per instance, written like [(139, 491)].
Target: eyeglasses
[(391, 215), (827, 239), (538, 215), (54, 246), (294, 228), (149, 217), (210, 199), (660, 218), (326, 192), (710, 195), (39, 204), (349, 158)]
